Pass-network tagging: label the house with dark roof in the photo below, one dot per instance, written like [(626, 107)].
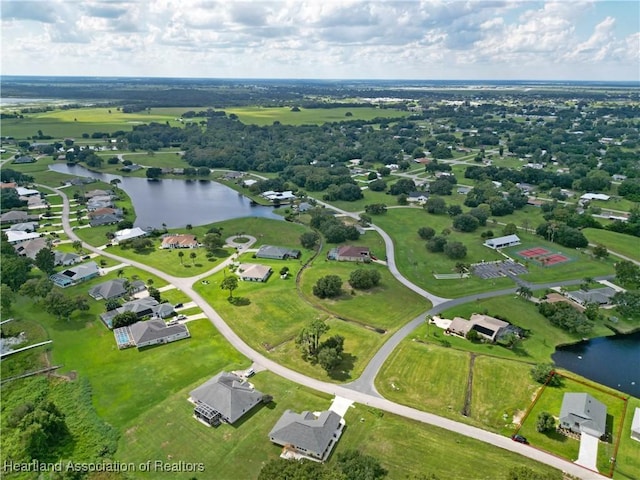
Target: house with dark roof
[(142, 307), (581, 413), (254, 272), (14, 216), (599, 296), (107, 219), (156, 331), (110, 289), (24, 159), (225, 397), (277, 253), (308, 434), (418, 197), (30, 248), (24, 227), (350, 253), (75, 275)]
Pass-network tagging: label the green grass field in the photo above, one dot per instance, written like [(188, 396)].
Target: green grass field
[(309, 116), (626, 245)]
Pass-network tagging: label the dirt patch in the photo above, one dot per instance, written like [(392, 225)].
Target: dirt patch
[(131, 431), (517, 417), (164, 444)]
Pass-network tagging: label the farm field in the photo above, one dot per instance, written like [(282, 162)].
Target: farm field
[(309, 116), (240, 450)]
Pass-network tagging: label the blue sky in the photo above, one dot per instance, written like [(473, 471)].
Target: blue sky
[(411, 39)]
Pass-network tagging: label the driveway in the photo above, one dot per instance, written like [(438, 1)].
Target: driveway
[(588, 455)]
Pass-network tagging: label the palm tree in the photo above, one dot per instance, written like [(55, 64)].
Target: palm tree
[(77, 245), (120, 273), (193, 256), (524, 292), (180, 254), (114, 183)]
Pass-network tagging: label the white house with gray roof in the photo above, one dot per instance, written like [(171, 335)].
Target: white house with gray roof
[(502, 242), (225, 397), (156, 331), (599, 296), (310, 434), (581, 413)]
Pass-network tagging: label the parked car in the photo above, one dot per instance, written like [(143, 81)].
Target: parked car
[(519, 438), (178, 305), (181, 317)]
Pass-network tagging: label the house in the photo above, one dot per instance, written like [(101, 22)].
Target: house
[(75, 275), (30, 248), (142, 307), (96, 193), (463, 190), (14, 216), (254, 272), (35, 201), (278, 196), (4, 185), (525, 187), (277, 253), (105, 211), (156, 331), (502, 242), (134, 167), (248, 182), (233, 175), (556, 297), (128, 234), (65, 258), (107, 219), (20, 236), (618, 178), (26, 192), (599, 296), (179, 241), (110, 289), (635, 425), (350, 253), (304, 207), (581, 413), (418, 197), (533, 201), (595, 196), (311, 435), (178, 171), (487, 327), (24, 227), (24, 159), (225, 397)]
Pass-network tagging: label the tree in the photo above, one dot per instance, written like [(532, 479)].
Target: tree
[(58, 304), (628, 303), (309, 240), (600, 251), (36, 287), (543, 372), (627, 273), (284, 271), (473, 336), (111, 304), (329, 358), (229, 283), (280, 469), (124, 319), (180, 256), (364, 278), (436, 244), (308, 339), (114, 183), (426, 233), (378, 186), (357, 466), (15, 270), (153, 173), (155, 294), (465, 223), (7, 298), (435, 205), (212, 242), (404, 185), (545, 422), (376, 209), (455, 250), (329, 286), (77, 245), (441, 186), (524, 292), (454, 210), (510, 229), (193, 256), (364, 219), (45, 260)]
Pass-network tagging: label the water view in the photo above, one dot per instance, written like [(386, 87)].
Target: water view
[(612, 361), (177, 203)]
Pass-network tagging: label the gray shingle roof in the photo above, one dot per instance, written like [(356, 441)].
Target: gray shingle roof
[(228, 394), (583, 409), (154, 329), (304, 430), (109, 289)]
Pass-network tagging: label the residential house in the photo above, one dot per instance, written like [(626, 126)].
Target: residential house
[(599, 296), (20, 236), (155, 331), (225, 397), (105, 211), (581, 413), (277, 253), (178, 171), (254, 272), (418, 197), (30, 248), (502, 242), (107, 219), (26, 192), (181, 240), (24, 227), (110, 289), (142, 307), (595, 196), (97, 193), (128, 234), (233, 175), (490, 328), (462, 190), (4, 185), (24, 159), (65, 258), (16, 216), (618, 178), (75, 275), (248, 182), (556, 297), (35, 201), (311, 435), (304, 207), (350, 253), (134, 167), (272, 196)]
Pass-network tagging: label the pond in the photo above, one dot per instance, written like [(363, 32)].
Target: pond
[(177, 203), (612, 361)]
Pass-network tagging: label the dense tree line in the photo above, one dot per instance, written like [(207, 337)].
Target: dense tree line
[(566, 317)]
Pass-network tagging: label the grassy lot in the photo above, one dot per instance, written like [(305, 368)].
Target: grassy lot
[(40, 171), (168, 431), (387, 306), (551, 400), (369, 197), (312, 116), (418, 264), (628, 465), (626, 245)]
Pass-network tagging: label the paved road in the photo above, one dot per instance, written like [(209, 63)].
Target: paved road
[(370, 399)]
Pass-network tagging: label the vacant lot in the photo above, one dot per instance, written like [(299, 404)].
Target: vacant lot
[(309, 116), (616, 242)]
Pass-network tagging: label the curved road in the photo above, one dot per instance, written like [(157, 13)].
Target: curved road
[(370, 399)]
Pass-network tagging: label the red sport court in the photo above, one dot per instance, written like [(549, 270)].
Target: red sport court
[(534, 252)]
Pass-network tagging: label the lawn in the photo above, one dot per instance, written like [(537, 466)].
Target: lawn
[(40, 172), (309, 116), (626, 245), (406, 448), (550, 401)]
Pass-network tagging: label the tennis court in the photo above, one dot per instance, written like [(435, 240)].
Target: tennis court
[(123, 337), (554, 258), (533, 252)]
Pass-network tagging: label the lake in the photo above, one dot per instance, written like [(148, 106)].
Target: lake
[(613, 361), (177, 203)]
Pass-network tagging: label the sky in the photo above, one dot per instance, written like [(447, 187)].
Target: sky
[(324, 39)]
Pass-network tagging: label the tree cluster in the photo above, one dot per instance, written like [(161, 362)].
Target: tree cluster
[(364, 278), (333, 229), (562, 234), (566, 317)]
